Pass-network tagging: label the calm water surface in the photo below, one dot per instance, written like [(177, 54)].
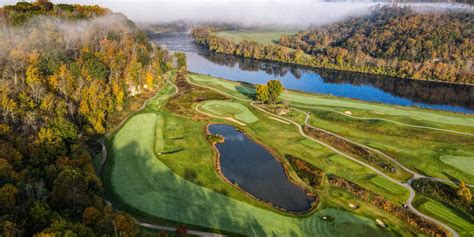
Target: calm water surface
[(256, 171), (404, 92)]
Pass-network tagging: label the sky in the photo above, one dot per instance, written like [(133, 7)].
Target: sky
[(282, 13)]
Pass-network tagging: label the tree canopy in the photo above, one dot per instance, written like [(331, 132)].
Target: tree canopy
[(60, 78), (393, 41)]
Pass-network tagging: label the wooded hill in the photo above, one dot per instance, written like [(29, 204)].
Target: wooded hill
[(393, 41), (64, 69)]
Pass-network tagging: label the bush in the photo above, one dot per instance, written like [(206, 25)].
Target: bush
[(406, 215), (215, 138), (444, 194), (309, 173)]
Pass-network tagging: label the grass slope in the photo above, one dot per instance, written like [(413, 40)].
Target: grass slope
[(147, 184), (229, 109), (447, 215), (418, 148)]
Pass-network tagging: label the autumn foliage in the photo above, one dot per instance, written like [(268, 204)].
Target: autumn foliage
[(64, 69)]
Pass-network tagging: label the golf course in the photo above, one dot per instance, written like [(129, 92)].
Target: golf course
[(160, 155)]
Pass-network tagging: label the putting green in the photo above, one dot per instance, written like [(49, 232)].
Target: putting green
[(392, 111), (229, 109), (464, 163), (146, 184)]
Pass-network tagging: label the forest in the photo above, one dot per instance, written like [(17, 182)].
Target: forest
[(64, 69), (394, 41)]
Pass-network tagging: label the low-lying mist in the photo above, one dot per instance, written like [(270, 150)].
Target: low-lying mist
[(248, 13)]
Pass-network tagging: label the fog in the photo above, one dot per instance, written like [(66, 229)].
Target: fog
[(43, 32), (276, 13)]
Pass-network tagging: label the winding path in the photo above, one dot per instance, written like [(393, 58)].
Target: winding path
[(383, 119), (407, 185), (104, 159)]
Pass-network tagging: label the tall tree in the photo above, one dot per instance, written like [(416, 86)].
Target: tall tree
[(275, 88), (262, 93)]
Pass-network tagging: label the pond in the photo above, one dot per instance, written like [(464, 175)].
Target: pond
[(256, 170), (382, 89)]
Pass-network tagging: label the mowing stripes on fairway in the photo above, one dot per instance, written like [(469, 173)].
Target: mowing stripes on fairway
[(388, 185), (145, 183), (229, 109), (438, 210)]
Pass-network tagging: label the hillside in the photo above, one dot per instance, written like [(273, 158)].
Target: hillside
[(392, 41), (64, 69)]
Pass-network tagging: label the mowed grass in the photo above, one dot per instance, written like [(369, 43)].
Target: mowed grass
[(445, 214), (387, 185), (418, 148), (229, 109), (408, 115), (146, 184), (464, 163), (261, 36)]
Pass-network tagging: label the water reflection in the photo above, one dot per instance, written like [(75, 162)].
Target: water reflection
[(435, 95)]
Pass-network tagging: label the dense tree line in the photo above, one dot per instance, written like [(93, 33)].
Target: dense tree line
[(393, 41), (415, 90), (63, 69)]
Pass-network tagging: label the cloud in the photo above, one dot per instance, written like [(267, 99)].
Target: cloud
[(283, 13)]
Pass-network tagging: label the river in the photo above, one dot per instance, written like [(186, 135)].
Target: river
[(361, 86)]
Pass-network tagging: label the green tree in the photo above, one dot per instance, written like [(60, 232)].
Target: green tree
[(262, 93), (275, 88), (181, 60)]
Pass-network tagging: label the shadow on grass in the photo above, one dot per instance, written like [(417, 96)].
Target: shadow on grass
[(246, 89), (450, 177), (167, 199)]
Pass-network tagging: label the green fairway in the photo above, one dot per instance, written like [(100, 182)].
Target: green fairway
[(146, 184), (409, 115), (261, 36), (229, 109), (420, 149), (441, 212), (464, 163), (387, 185)]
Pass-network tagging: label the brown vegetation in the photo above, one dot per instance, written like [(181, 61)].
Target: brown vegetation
[(350, 148), (182, 102), (377, 200)]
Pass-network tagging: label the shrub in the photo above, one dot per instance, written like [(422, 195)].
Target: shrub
[(309, 173)]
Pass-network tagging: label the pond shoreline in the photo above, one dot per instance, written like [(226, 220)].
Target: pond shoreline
[(314, 204)]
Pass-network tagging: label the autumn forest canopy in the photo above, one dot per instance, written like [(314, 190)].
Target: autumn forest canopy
[(394, 41), (64, 70)]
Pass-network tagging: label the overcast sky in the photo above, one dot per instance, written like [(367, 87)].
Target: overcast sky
[(248, 12)]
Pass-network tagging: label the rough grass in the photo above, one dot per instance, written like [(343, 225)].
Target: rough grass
[(409, 115), (464, 163), (229, 109), (147, 184), (261, 36), (445, 214), (417, 148)]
